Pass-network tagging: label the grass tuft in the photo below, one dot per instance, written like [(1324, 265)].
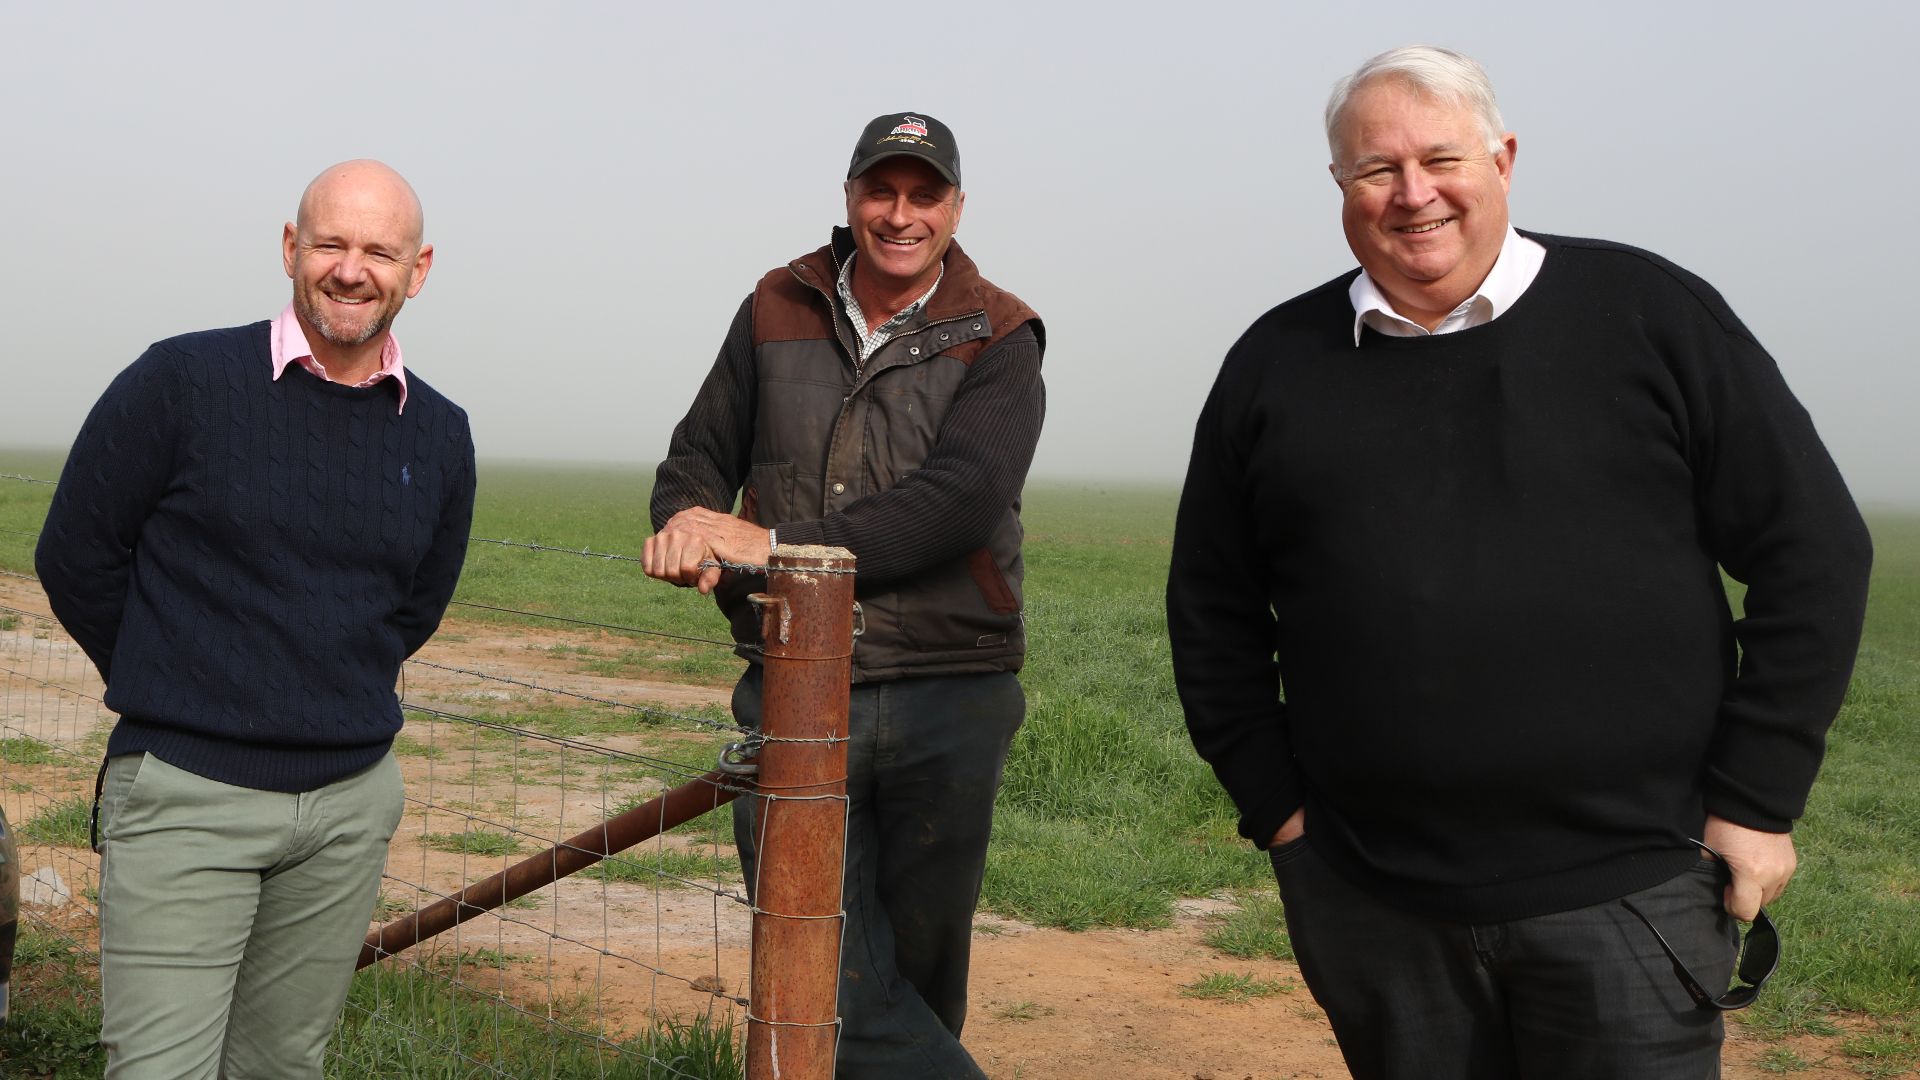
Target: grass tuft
[(1233, 989), (1019, 1012), (18, 750), (473, 842), (1257, 929), (67, 823), (666, 866), (1783, 1059), (493, 959)]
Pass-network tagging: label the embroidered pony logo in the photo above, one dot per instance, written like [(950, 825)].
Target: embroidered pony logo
[(406, 477)]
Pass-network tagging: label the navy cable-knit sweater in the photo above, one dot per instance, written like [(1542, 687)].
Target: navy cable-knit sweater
[(248, 560), (1485, 568)]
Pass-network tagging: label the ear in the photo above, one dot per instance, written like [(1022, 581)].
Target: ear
[(1333, 170), (959, 205), (287, 237), (847, 189), (1503, 161), (422, 263)]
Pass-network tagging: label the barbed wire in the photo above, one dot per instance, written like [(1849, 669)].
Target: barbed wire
[(583, 551), (662, 764), (645, 710), (692, 638), (596, 625), (762, 568)]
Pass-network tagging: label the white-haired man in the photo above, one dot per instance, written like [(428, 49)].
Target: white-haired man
[(1447, 619)]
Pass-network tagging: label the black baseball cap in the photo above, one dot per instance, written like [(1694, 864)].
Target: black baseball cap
[(907, 135)]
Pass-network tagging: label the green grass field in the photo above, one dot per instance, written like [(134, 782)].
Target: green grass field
[(1107, 817)]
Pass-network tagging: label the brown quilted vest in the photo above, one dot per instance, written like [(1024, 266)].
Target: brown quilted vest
[(825, 436)]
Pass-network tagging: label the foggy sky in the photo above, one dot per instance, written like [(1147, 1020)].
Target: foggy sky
[(604, 182)]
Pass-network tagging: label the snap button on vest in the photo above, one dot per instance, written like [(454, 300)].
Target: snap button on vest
[(839, 489), (914, 350)]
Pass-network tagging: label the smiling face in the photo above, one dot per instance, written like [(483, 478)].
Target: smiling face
[(1425, 201), (903, 215), (354, 255)]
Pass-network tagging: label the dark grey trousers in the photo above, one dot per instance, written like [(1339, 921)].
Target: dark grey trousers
[(923, 764), (1578, 995)]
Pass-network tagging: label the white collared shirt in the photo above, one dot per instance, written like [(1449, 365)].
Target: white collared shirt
[(1513, 270)]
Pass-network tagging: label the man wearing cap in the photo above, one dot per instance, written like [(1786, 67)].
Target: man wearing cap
[(256, 526), (880, 395), (1447, 617)]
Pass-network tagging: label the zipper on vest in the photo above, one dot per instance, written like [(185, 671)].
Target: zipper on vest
[(833, 311)]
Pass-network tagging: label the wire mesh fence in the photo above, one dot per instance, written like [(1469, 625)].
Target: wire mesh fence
[(53, 728), (637, 966)]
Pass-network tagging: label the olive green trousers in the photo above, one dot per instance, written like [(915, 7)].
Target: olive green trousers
[(230, 918)]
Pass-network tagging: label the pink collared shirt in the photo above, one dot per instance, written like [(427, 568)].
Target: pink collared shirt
[(289, 344)]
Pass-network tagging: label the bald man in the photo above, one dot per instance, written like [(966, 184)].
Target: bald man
[(255, 527)]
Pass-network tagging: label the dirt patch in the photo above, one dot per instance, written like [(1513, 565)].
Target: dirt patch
[(1108, 1005)]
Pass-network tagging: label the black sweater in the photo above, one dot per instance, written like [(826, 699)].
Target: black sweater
[(1482, 570), (248, 561)]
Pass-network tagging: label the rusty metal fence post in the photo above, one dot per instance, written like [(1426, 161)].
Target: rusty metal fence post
[(801, 814)]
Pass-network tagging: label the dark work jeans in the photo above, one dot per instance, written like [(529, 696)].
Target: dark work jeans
[(1577, 995), (923, 767)]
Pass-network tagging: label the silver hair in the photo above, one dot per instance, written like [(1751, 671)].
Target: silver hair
[(1434, 72)]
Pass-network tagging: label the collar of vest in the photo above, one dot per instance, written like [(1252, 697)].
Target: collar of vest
[(962, 291)]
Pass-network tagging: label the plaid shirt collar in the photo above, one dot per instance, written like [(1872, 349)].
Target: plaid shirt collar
[(870, 342)]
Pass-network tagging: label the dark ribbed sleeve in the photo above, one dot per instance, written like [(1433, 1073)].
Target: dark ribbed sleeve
[(950, 504), (118, 469), (707, 458), (1219, 622)]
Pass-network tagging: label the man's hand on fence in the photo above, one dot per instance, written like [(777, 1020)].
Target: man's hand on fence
[(696, 535)]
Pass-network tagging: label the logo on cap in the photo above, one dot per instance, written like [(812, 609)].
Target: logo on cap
[(910, 125)]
